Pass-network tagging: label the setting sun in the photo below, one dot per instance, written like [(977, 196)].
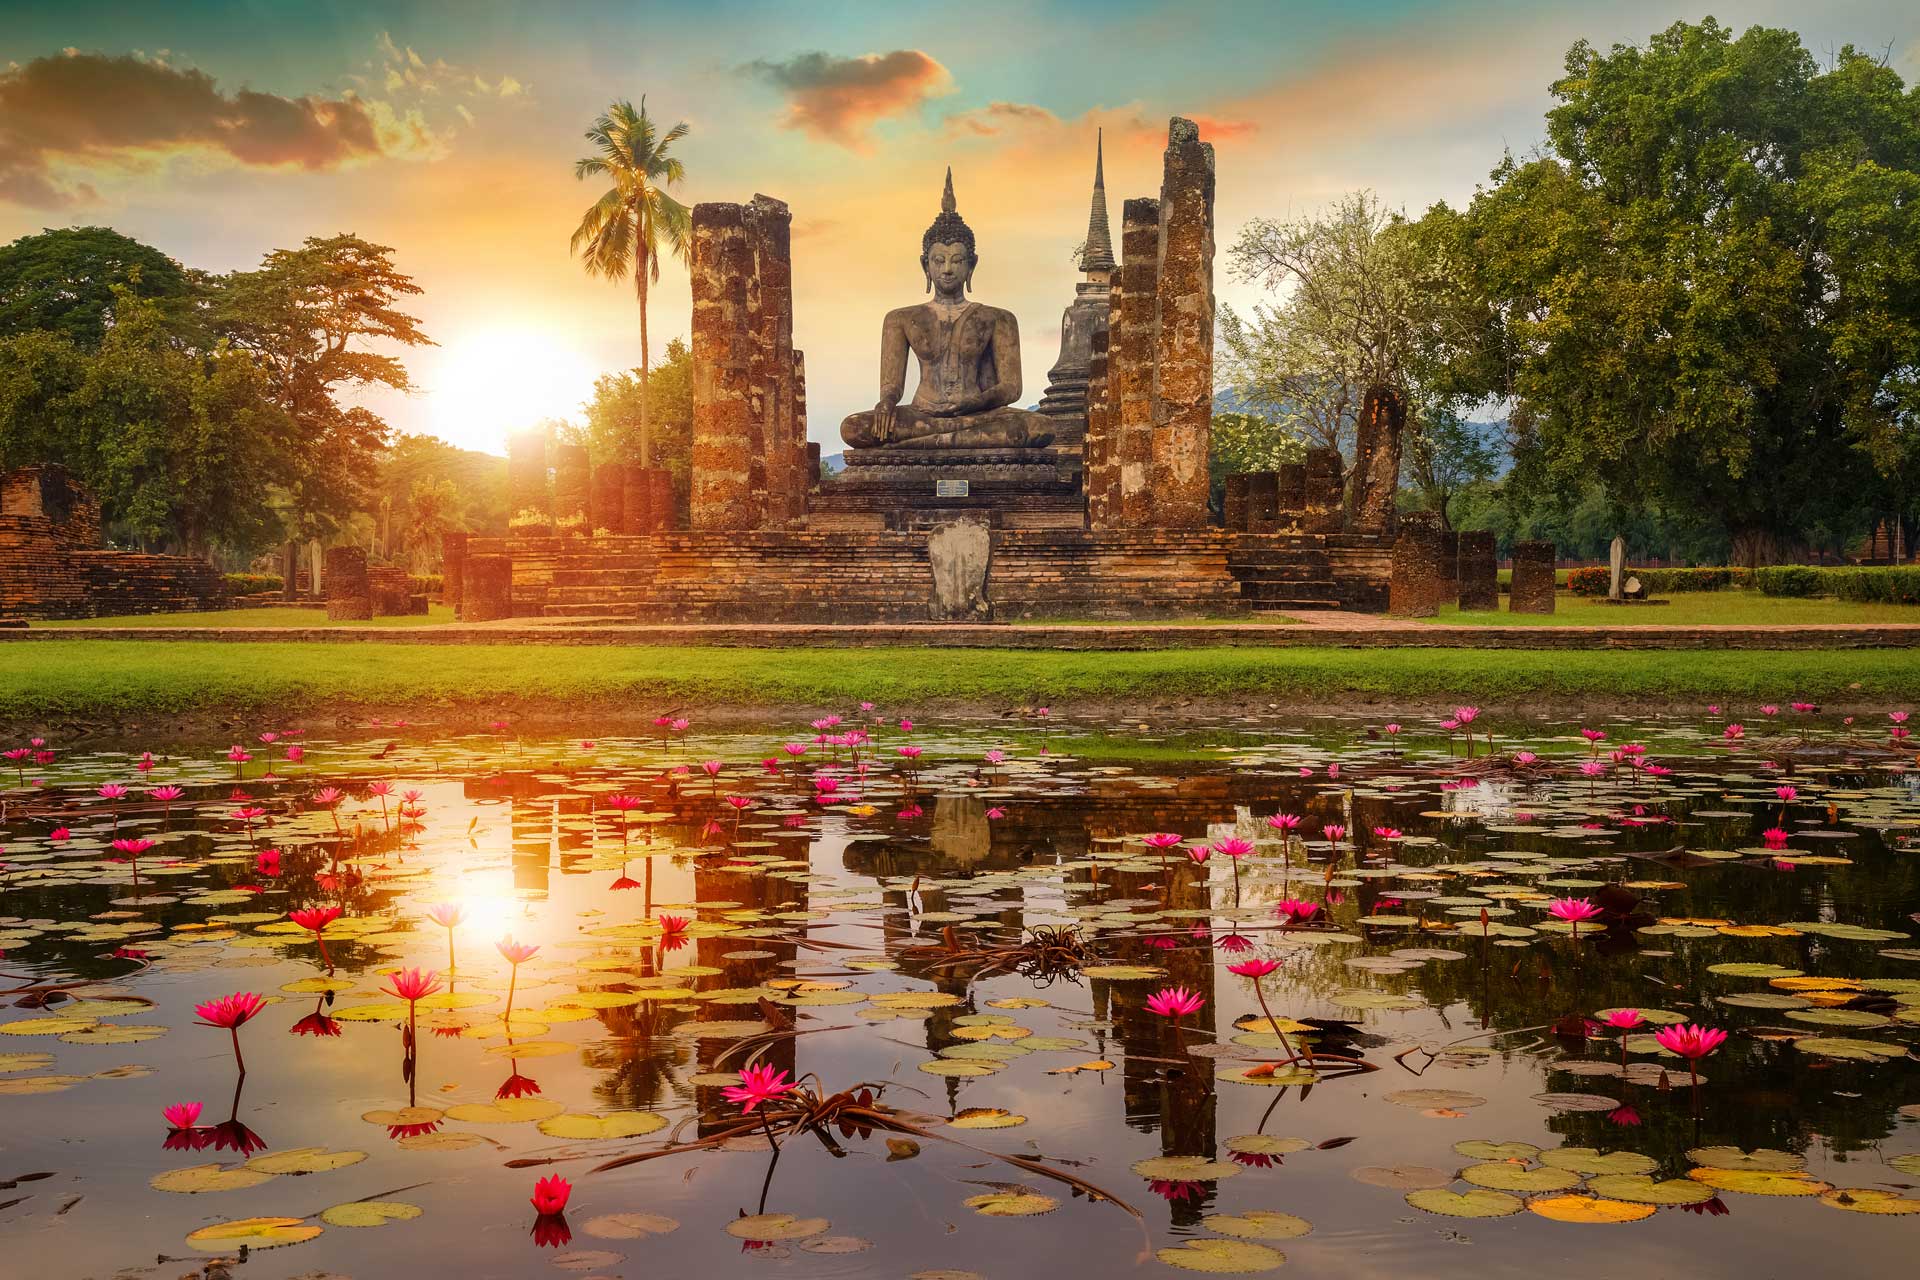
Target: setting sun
[(492, 381)]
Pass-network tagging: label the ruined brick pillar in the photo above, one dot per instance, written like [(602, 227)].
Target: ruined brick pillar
[(489, 590), (1376, 461), (609, 492), (1292, 488), (805, 472), (1413, 590), (1263, 501), (572, 486), (1479, 576), (723, 427), (1448, 583), (1234, 507), (349, 597), (1322, 507), (1183, 331), (633, 499), (1096, 447), (527, 473), (453, 567), (1130, 351), (661, 512), (813, 464), (1533, 584), (768, 224)]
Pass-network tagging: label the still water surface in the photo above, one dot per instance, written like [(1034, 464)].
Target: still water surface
[(836, 895)]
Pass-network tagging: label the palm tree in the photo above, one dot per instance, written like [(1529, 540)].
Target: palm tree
[(623, 229)]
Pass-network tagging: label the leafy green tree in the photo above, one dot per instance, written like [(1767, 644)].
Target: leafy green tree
[(622, 231), (427, 465), (314, 317), (1447, 455), (182, 446), (616, 416), (1704, 294), (62, 281)]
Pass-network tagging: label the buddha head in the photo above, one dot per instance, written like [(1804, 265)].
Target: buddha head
[(947, 258)]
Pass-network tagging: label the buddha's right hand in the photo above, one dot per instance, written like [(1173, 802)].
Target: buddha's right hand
[(883, 421)]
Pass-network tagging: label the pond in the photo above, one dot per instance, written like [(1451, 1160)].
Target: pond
[(1360, 1010)]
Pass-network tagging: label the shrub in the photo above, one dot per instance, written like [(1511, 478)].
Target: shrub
[(425, 584), (1590, 581), (1795, 580), (1895, 584), (252, 584)]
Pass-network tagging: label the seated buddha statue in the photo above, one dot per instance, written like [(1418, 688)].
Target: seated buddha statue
[(969, 357)]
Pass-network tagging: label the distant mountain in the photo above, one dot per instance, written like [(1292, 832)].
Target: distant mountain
[(833, 463)]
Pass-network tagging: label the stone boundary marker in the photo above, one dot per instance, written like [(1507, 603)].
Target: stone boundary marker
[(349, 595), (1375, 633), (1479, 572), (1533, 584)]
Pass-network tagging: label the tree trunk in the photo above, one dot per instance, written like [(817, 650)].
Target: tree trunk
[(646, 352), (289, 572)]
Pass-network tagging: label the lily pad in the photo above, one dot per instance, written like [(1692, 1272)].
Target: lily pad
[(1257, 1224), (1589, 1209), (1221, 1257), (369, 1213), (1470, 1204)]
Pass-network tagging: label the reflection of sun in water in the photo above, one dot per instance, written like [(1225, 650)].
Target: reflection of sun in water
[(492, 381)]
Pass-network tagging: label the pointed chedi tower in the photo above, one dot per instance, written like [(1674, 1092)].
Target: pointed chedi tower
[(1066, 398)]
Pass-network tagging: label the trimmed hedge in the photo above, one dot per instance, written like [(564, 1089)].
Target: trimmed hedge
[(1883, 584), (1593, 580), (252, 584)]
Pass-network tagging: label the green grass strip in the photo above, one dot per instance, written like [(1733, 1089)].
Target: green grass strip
[(95, 678)]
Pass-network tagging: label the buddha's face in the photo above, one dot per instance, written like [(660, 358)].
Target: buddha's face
[(948, 267)]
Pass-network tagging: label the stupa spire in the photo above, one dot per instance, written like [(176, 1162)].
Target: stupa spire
[(1098, 255)]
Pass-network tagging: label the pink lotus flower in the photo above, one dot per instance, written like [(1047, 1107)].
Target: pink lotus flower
[(1234, 942), (1524, 757), (1334, 832), (446, 914), (1573, 910), (1466, 715), (1284, 821), (412, 985), (758, 1084), (231, 1011), (1594, 769), (911, 752), (1733, 733), (996, 812), (314, 919), (996, 756), (1161, 840), (296, 754), (327, 797), (267, 863), (182, 1115), (1388, 833), (133, 848), (550, 1194), (516, 953), (1259, 967), (1175, 1002), (1690, 1041), (167, 794), (1898, 717), (673, 924), (1625, 1019), (1774, 838), (906, 725), (1233, 847), (1199, 852), (113, 791), (60, 835), (1393, 729), (1627, 1116), (1295, 910)]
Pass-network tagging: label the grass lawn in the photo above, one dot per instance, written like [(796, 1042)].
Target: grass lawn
[(1690, 609), (269, 617), (121, 679)]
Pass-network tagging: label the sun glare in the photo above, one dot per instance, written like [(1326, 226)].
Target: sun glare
[(492, 381)]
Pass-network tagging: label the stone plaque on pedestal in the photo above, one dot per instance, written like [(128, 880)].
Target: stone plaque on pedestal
[(959, 555)]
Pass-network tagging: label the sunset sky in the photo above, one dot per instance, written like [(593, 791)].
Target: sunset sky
[(220, 131)]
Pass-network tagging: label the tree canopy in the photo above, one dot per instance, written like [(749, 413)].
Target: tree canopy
[(1706, 291), (63, 281)]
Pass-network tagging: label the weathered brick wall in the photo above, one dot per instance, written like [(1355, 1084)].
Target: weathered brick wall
[(42, 577), (818, 575)]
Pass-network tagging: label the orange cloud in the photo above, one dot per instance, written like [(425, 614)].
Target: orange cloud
[(997, 117), (838, 99), (90, 108)]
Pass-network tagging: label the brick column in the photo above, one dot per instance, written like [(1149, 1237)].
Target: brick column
[(768, 224), (349, 598), (1234, 509), (1322, 507), (527, 473), (633, 499), (453, 566), (1448, 583), (723, 429), (1263, 502), (1097, 467), (805, 473), (572, 485), (1183, 331), (1291, 496), (1533, 585), (1479, 578), (1130, 365), (813, 464), (1376, 461), (1412, 591), (661, 515), (489, 593), (609, 484)]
